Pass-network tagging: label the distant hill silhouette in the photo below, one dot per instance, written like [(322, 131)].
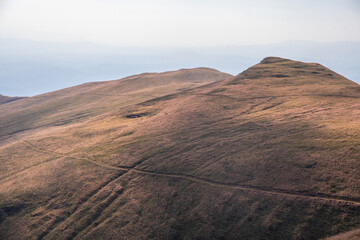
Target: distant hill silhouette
[(28, 67)]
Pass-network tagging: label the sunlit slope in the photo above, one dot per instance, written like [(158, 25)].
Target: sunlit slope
[(77, 103), (272, 153), (352, 235)]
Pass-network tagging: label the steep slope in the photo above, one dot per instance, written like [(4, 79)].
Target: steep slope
[(272, 153), (81, 102)]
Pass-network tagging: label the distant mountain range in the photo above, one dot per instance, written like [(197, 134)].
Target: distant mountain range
[(28, 67), (90, 99), (271, 153)]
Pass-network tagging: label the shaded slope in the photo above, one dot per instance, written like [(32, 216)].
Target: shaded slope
[(80, 102), (269, 154), (5, 99)]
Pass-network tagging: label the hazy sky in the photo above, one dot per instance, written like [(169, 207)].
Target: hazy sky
[(180, 22)]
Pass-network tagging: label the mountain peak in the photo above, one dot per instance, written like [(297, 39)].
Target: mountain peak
[(272, 153), (281, 71)]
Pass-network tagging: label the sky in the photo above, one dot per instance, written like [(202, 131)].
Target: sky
[(180, 22)]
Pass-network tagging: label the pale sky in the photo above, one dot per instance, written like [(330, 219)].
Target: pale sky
[(180, 22)]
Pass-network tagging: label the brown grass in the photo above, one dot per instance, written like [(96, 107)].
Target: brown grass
[(269, 154), (352, 235)]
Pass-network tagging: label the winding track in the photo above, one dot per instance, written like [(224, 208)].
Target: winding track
[(250, 189)]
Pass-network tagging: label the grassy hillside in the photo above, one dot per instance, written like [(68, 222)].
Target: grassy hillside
[(78, 103), (272, 153)]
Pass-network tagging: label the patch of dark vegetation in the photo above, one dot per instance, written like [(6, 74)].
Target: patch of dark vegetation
[(11, 210), (136, 115), (315, 72), (298, 65), (310, 165), (248, 74), (218, 90), (280, 75)]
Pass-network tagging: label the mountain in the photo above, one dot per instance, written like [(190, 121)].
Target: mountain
[(271, 153)]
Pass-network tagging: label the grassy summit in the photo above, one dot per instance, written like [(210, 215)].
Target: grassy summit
[(76, 104), (272, 153)]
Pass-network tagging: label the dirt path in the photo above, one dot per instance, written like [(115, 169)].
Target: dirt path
[(250, 189), (79, 158)]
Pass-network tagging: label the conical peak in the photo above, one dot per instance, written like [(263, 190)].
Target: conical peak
[(282, 71)]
